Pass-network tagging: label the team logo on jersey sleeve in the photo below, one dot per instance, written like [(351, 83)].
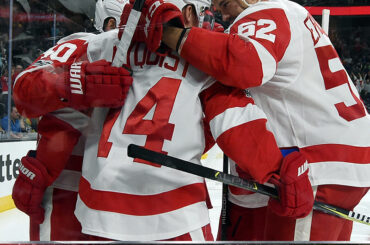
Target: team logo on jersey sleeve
[(247, 93), (42, 63)]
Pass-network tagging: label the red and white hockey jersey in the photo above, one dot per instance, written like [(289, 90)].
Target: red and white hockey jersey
[(276, 49), (61, 130), (130, 199)]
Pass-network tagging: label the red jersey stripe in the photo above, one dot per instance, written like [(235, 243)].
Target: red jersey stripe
[(141, 205), (336, 153), (223, 98)]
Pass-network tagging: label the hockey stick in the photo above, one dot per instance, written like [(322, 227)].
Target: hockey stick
[(225, 206), (124, 44), (136, 151)]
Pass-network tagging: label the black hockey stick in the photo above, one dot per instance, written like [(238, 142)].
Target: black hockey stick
[(225, 207), (136, 151), (129, 31)]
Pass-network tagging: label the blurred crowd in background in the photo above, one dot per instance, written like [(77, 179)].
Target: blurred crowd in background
[(38, 25)]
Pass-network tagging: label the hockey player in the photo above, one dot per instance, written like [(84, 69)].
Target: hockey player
[(58, 81), (277, 50), (129, 199)]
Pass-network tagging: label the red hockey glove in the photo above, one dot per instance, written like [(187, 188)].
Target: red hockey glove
[(209, 22), (29, 188), (155, 14), (295, 191), (96, 84), (218, 28)]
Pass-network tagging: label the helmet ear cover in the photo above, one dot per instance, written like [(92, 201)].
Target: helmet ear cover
[(107, 9), (106, 22)]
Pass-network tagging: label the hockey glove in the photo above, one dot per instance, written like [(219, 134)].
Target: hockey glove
[(155, 14), (29, 188), (96, 84), (294, 187), (218, 28)]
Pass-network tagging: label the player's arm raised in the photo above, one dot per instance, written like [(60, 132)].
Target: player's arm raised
[(247, 57)]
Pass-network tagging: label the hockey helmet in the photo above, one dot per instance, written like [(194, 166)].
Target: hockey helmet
[(200, 5), (108, 9)]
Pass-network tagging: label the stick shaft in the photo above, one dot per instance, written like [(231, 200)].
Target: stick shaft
[(136, 151), (121, 55), (225, 206), (199, 170)]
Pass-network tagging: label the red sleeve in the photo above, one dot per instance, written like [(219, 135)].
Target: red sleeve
[(210, 141), (58, 138), (239, 128), (248, 56), (39, 89)]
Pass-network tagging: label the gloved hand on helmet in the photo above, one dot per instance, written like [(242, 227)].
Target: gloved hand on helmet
[(155, 14)]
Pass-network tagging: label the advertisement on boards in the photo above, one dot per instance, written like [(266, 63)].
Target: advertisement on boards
[(11, 154)]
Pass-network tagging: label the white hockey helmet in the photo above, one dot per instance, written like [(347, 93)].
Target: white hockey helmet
[(108, 9), (200, 6)]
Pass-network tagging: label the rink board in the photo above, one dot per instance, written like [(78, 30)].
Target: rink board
[(10, 155)]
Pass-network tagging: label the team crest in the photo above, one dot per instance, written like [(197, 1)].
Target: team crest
[(247, 93), (42, 63)]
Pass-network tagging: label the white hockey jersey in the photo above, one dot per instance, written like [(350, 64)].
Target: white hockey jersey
[(130, 199), (311, 102), (277, 50), (127, 199)]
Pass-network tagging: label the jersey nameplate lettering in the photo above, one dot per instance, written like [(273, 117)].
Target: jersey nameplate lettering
[(141, 56)]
